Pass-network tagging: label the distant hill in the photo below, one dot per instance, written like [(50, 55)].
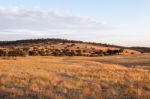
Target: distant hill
[(142, 49), (61, 47), (52, 40)]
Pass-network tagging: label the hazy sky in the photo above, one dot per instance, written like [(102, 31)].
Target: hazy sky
[(122, 22)]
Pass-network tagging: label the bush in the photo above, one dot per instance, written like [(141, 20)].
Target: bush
[(23, 53), (72, 53), (72, 45), (79, 52), (113, 52), (121, 50), (65, 52), (84, 51), (58, 52), (99, 52), (110, 52), (116, 52), (17, 52), (42, 52), (3, 53), (26, 49), (33, 53)]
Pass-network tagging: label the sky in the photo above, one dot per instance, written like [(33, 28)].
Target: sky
[(120, 22)]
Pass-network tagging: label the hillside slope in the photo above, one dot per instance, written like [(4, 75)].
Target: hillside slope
[(61, 47)]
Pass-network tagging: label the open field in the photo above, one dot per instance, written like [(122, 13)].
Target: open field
[(125, 60), (50, 77)]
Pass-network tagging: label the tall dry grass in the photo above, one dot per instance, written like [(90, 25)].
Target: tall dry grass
[(71, 78)]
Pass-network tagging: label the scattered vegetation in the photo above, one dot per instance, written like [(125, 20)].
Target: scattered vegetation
[(142, 49), (56, 52), (73, 77), (59, 47), (51, 40), (3, 52)]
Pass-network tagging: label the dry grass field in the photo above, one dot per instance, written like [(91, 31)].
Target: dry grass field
[(48, 77)]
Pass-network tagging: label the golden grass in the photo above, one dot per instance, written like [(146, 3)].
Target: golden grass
[(71, 78)]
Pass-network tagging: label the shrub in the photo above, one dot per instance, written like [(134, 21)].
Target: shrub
[(42, 52), (110, 52), (121, 50), (113, 52), (33, 53), (79, 52), (65, 52), (72, 53), (105, 53), (72, 45), (26, 49), (99, 52), (78, 47), (84, 51), (3, 52), (116, 52), (17, 52), (23, 53), (57, 52), (48, 52)]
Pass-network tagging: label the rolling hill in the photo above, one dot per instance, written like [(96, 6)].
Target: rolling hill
[(63, 47)]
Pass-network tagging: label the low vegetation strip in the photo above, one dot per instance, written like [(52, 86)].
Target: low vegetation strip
[(14, 52)]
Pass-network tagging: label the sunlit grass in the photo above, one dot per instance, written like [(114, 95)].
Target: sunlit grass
[(71, 78)]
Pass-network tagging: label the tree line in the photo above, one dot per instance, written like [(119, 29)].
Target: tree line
[(23, 52), (52, 40)]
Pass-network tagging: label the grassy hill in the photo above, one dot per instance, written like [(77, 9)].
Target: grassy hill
[(122, 73), (142, 49), (62, 47)]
